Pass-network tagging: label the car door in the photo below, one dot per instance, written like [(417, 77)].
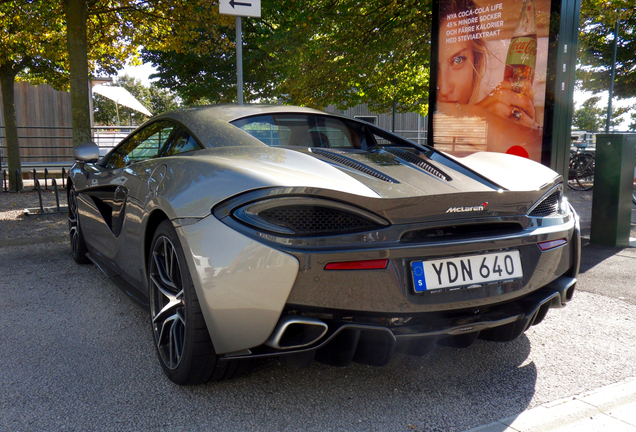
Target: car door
[(144, 178), (112, 200)]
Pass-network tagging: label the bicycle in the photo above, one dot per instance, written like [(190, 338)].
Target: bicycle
[(581, 168)]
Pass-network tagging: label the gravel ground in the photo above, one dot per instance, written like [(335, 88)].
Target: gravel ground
[(14, 223), (78, 356)]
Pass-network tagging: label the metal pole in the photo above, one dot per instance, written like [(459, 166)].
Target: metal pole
[(393, 110), (613, 77), (393, 116), (239, 62), (37, 186)]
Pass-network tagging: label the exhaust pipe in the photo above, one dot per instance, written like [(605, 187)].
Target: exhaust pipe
[(294, 331)]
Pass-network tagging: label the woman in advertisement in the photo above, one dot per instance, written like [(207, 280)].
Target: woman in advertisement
[(507, 108)]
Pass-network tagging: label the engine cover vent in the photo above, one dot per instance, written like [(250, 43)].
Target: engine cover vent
[(420, 162), (346, 161)]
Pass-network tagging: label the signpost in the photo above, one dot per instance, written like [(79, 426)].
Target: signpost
[(245, 8)]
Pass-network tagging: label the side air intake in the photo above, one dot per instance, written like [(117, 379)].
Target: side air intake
[(548, 207)]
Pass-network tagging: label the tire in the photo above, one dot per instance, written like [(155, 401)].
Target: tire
[(179, 331), (581, 172), (78, 246)]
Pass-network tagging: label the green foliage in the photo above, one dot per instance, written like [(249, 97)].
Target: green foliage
[(591, 118), (349, 51), (632, 124), (157, 100), (33, 41), (313, 53), (596, 38), (209, 76)]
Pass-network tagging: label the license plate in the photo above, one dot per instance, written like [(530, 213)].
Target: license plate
[(466, 271)]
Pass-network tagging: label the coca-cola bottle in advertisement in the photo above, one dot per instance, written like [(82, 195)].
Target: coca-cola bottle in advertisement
[(522, 52)]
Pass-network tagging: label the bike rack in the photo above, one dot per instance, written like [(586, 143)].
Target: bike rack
[(37, 186), (34, 173)]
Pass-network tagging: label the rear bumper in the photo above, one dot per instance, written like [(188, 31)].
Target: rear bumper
[(376, 343), (391, 290)]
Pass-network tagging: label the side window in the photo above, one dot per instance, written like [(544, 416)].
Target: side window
[(145, 144), (181, 143)]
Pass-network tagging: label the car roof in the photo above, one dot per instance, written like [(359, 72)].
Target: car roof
[(211, 124), (231, 112)]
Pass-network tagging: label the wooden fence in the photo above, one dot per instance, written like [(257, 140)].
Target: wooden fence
[(44, 123)]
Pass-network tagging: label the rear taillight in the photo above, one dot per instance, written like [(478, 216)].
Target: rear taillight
[(358, 265), (544, 246)]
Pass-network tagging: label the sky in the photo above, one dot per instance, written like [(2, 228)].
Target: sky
[(140, 72)]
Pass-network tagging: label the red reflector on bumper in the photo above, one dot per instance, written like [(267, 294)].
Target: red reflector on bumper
[(544, 246), (358, 265)]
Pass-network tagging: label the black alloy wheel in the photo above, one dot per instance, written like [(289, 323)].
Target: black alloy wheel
[(78, 246), (168, 302), (180, 334)]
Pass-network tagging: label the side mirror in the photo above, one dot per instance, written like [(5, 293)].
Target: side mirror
[(87, 152)]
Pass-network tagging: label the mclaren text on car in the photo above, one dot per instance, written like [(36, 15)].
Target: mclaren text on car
[(257, 231)]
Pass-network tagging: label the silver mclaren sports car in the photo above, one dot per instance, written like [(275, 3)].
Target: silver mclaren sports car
[(259, 231)]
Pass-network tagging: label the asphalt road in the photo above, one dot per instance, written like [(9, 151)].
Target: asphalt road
[(76, 354)]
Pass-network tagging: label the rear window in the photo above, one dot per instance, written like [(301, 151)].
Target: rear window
[(304, 130)]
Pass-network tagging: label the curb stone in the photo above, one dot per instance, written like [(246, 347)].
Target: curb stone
[(609, 408)]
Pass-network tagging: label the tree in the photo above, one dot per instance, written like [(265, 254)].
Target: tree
[(632, 117), (197, 59), (312, 53), (31, 47), (42, 41), (207, 77), (76, 12), (590, 117), (596, 38), (108, 33), (102, 37), (156, 99), (350, 51)]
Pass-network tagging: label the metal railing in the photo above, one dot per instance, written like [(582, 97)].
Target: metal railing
[(106, 137), (418, 136)]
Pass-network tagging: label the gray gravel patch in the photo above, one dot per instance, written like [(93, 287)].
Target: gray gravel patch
[(78, 355), (14, 224)]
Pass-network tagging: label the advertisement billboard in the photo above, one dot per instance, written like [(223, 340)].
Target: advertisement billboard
[(490, 81)]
